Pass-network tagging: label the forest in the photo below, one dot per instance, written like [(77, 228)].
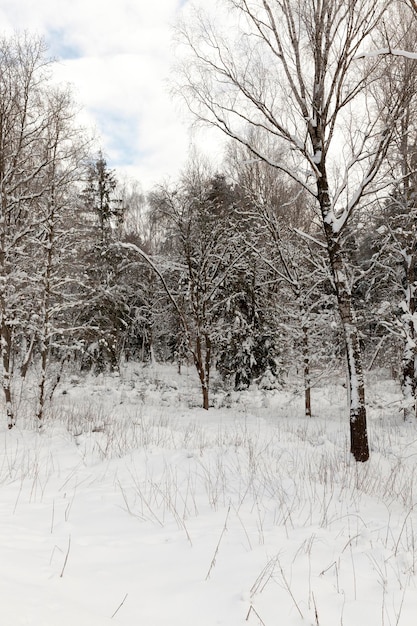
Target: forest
[(209, 387), (293, 258)]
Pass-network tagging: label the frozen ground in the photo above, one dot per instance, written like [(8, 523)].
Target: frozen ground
[(135, 507)]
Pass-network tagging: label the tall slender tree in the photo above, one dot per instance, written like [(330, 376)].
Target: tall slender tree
[(57, 290), (292, 70), (197, 216), (31, 162)]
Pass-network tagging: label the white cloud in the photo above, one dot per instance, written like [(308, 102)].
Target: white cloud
[(117, 57)]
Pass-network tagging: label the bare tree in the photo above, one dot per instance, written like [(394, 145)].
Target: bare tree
[(276, 210), (34, 159), (22, 120), (290, 70), (400, 229), (65, 150), (198, 216)]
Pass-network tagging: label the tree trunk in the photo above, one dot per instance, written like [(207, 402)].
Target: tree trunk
[(26, 361), (408, 383), (6, 347), (358, 428), (203, 374), (307, 381), (408, 372), (409, 255), (408, 364), (357, 410), (205, 397), (45, 330), (42, 384)]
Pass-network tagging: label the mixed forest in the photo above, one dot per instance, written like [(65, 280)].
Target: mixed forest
[(294, 258)]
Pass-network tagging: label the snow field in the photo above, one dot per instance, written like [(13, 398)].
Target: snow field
[(129, 507)]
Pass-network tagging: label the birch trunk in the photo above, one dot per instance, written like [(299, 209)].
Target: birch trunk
[(357, 411), (45, 334), (409, 255), (408, 365), (307, 380), (6, 349)]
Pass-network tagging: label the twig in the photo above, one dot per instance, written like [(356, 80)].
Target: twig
[(53, 516), (288, 588), (316, 615), (120, 606), (213, 560), (401, 605), (251, 608), (66, 557), (402, 529)]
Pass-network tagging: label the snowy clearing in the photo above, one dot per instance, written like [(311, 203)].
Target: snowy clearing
[(134, 506)]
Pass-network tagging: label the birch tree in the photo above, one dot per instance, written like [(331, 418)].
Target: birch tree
[(291, 70), (36, 155), (57, 288), (23, 122)]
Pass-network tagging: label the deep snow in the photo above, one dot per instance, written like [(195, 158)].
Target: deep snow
[(133, 506)]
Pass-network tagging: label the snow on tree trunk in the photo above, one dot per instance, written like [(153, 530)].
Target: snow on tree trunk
[(307, 381), (202, 363), (6, 346), (45, 318), (357, 410), (408, 365), (408, 378)]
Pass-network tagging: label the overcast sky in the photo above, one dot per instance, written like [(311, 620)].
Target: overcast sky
[(117, 56)]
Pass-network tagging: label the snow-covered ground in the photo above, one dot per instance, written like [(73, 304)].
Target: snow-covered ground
[(133, 506)]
